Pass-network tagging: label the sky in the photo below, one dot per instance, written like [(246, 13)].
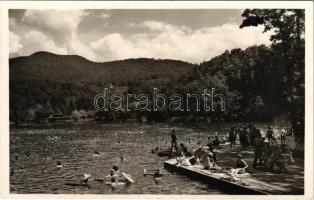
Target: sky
[(105, 35)]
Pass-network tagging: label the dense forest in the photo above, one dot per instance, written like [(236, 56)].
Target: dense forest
[(259, 83)]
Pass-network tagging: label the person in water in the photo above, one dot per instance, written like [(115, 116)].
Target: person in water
[(97, 153), (43, 169), (12, 171), (157, 176), (174, 140), (115, 168), (85, 178), (184, 149), (16, 156), (114, 180), (59, 164), (114, 172)]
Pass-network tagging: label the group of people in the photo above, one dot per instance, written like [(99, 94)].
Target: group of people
[(267, 154), (249, 137), (115, 177), (204, 156), (13, 170)]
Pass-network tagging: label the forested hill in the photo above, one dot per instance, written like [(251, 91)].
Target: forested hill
[(258, 83), (250, 80), (72, 68)]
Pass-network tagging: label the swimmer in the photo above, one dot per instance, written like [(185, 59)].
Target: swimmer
[(12, 171), (96, 153), (46, 157), (115, 168), (16, 156), (155, 150), (59, 164), (21, 169), (112, 174), (114, 182), (157, 175), (43, 169), (85, 178)]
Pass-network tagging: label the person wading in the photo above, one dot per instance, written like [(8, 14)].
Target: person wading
[(174, 140)]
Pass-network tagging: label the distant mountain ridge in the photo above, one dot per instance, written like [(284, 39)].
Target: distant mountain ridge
[(71, 68)]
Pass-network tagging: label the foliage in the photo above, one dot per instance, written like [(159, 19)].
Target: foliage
[(287, 26)]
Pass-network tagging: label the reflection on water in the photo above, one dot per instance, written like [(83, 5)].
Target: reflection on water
[(75, 146)]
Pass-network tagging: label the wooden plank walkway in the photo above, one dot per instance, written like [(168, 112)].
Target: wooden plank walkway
[(217, 180)]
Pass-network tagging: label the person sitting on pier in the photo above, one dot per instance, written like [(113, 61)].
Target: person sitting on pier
[(241, 166), (181, 159), (199, 153), (211, 150), (208, 162), (195, 157)]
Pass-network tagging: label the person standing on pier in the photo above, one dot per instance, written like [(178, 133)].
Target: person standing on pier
[(258, 150), (243, 138), (270, 135), (232, 137), (283, 137)]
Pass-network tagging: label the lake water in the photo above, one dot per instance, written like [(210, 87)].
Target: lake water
[(75, 145)]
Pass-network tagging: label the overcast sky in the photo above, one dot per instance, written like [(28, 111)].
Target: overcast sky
[(105, 35)]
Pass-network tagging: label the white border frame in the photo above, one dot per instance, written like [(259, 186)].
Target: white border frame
[(4, 86)]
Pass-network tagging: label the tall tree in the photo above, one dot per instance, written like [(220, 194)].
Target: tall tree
[(287, 26)]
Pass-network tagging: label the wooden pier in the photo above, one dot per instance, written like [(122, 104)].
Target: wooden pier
[(216, 180)]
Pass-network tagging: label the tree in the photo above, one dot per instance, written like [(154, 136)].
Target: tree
[(288, 44)]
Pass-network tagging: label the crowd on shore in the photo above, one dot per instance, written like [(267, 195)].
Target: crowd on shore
[(270, 149)]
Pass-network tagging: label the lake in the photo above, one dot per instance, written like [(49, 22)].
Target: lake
[(74, 146)]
